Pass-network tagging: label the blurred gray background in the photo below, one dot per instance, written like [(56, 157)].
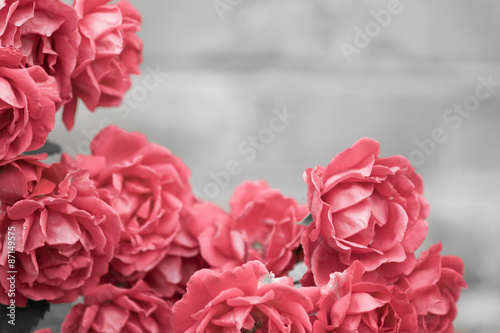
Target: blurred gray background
[(217, 73)]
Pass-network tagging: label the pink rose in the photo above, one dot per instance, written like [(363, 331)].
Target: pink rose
[(170, 277), (109, 52), (247, 299), (262, 226), (347, 304), (364, 208), (210, 225), (43, 330), (433, 288), (21, 178), (46, 33), (111, 309), (63, 239), (149, 188), (27, 104)]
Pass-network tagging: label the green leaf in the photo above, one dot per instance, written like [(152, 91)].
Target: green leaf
[(307, 220)]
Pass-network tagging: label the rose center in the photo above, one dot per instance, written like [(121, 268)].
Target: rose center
[(255, 327)]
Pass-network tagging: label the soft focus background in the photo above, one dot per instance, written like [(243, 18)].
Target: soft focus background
[(217, 73)]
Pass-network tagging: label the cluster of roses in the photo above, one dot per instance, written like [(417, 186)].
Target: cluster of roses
[(367, 218), (53, 54), (122, 228)]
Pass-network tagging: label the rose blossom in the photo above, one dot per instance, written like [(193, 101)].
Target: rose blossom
[(433, 288), (262, 226), (109, 52), (111, 309), (347, 304), (27, 104), (247, 299), (170, 277), (149, 188), (21, 178), (64, 238), (364, 208), (46, 33)]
